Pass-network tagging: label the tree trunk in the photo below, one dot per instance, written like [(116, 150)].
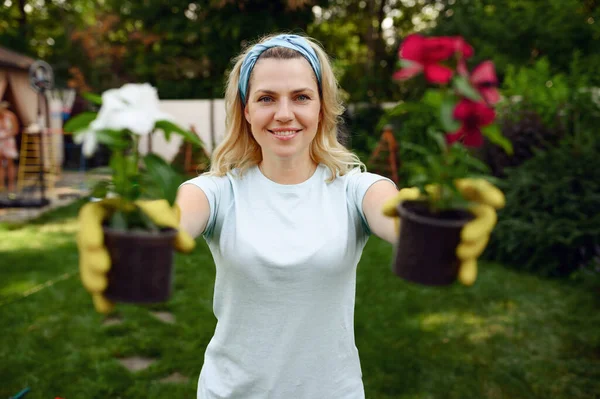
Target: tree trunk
[(22, 21)]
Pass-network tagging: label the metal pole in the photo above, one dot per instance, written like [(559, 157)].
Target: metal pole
[(41, 97)]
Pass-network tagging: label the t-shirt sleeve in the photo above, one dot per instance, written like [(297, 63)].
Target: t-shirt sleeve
[(215, 190), (358, 184)]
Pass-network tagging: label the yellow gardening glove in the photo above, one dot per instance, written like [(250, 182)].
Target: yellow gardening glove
[(94, 260), (475, 235)]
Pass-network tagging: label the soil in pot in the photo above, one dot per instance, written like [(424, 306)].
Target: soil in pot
[(426, 250), (141, 265)]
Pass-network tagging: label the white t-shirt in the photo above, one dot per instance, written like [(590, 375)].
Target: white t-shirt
[(285, 259)]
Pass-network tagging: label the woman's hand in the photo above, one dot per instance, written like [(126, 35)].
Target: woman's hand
[(94, 260), (475, 235)]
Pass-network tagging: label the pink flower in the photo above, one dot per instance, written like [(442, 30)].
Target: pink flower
[(473, 116), (424, 55), (485, 81)]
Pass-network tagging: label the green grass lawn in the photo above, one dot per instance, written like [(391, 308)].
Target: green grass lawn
[(510, 336)]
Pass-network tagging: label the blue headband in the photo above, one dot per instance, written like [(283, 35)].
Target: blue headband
[(293, 42)]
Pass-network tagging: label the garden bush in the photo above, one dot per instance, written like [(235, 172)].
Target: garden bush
[(531, 115), (527, 132), (539, 108), (359, 130), (535, 89), (551, 222)]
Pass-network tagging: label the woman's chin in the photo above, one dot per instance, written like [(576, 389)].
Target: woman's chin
[(286, 153)]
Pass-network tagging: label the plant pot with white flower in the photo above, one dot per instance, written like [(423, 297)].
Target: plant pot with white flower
[(451, 198), (140, 192)]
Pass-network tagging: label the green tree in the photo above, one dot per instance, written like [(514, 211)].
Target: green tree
[(182, 47), (520, 32), (185, 48)]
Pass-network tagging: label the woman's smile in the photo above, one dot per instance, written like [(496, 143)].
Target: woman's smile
[(284, 134)]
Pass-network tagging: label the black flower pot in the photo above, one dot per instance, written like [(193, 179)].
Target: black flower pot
[(141, 265), (426, 250)]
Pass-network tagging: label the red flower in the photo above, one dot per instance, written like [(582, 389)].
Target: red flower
[(473, 116), (425, 55), (485, 81), (465, 51), (462, 47)]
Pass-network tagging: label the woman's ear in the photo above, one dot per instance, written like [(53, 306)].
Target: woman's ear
[(247, 113)]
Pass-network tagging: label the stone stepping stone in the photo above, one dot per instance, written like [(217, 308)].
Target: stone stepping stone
[(136, 363), (165, 317), (112, 321), (175, 378)]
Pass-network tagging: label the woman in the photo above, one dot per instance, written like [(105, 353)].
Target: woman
[(286, 212)]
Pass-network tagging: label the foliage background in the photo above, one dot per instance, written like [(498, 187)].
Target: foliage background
[(546, 52), (185, 47)]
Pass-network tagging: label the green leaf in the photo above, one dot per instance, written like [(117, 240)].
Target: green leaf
[(406, 63), (93, 98), (418, 179), (131, 165), (117, 161), (433, 98), (416, 148), (494, 134), (475, 164), (112, 138), (405, 107), (170, 127), (100, 189), (117, 164), (464, 87), (438, 138), (79, 122), (432, 163), (163, 176), (449, 124), (118, 221)]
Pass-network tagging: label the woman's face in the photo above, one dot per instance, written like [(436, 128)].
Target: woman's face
[(283, 107)]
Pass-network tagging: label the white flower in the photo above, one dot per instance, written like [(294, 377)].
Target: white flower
[(89, 140), (133, 106)]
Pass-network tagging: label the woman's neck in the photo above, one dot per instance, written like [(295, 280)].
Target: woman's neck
[(289, 171)]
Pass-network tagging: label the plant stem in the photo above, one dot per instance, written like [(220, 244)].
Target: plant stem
[(136, 152)]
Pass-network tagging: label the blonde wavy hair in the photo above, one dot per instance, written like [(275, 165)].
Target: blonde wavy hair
[(239, 150)]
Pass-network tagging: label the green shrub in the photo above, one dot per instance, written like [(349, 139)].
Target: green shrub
[(533, 114), (535, 89), (540, 108), (527, 133), (360, 129), (551, 223)]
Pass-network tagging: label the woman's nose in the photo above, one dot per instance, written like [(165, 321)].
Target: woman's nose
[(284, 111)]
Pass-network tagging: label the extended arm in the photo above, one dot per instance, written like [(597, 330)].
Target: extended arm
[(195, 209), (381, 225)]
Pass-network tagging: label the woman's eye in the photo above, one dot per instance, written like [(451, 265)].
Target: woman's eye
[(265, 99), (303, 97)]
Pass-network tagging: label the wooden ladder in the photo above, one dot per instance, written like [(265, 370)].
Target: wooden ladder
[(387, 144), (30, 161)]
